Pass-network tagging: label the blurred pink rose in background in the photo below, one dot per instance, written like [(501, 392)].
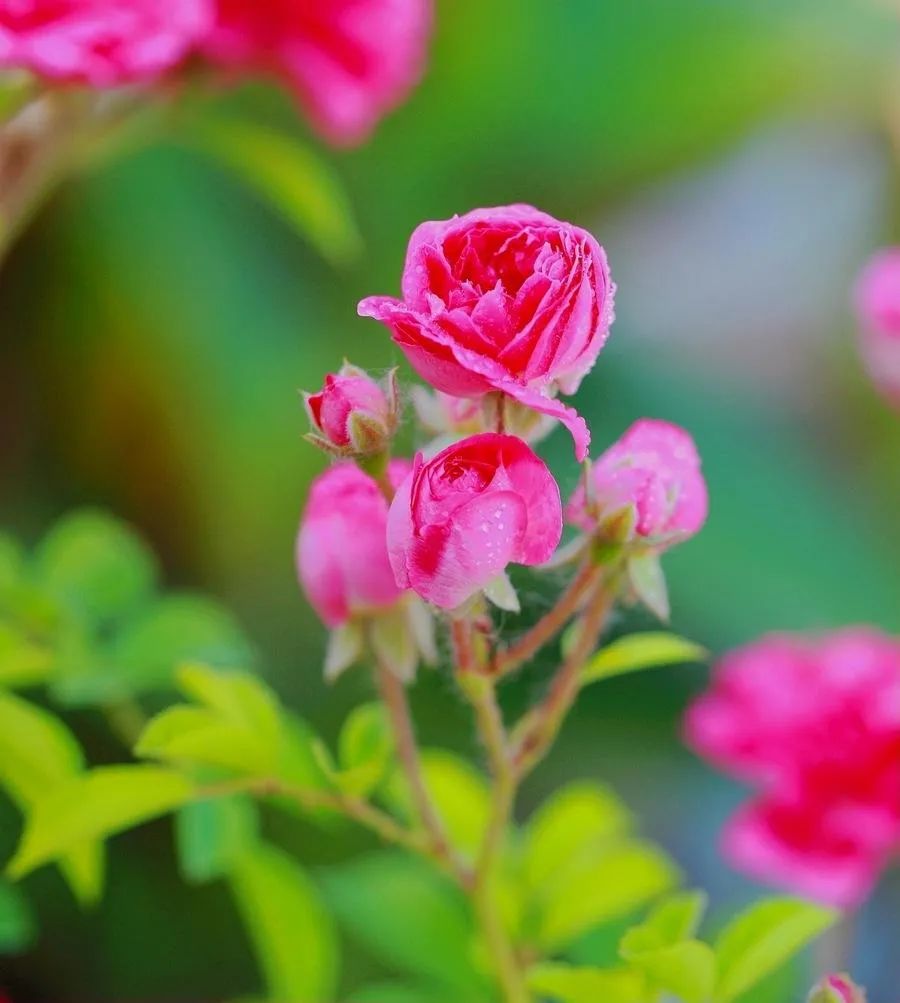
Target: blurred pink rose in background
[(506, 299), (348, 61), (459, 519), (654, 470), (100, 42), (815, 723), (878, 310)]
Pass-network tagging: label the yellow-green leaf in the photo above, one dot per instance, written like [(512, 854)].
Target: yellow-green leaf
[(566, 984), (650, 650)]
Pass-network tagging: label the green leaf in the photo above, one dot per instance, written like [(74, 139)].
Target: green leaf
[(11, 563), (38, 755), (393, 993), (147, 651), (211, 835), (22, 661), (636, 652), (618, 880), (237, 729), (566, 984), (18, 928), (762, 939), (299, 185), (292, 933), (96, 565), (570, 827), (677, 917), (94, 806), (459, 792), (686, 969), (409, 916), (365, 750)]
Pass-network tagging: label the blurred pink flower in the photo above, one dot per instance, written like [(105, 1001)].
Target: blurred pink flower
[(816, 724), (352, 413), (654, 470), (506, 299), (459, 519), (342, 555), (99, 42), (878, 309), (837, 989), (348, 61)]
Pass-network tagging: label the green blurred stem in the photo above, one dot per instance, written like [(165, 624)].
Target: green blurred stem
[(367, 815), (480, 690), (539, 729), (393, 695), (543, 632)]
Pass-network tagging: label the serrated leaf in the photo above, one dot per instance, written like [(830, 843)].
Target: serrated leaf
[(566, 984), (293, 935), (763, 938), (38, 754), (299, 185), (97, 565), (636, 652), (18, 928), (211, 835), (618, 880), (95, 806), (407, 915), (571, 826)]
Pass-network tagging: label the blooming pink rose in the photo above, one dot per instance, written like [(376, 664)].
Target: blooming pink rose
[(99, 42), (654, 470), (459, 519), (878, 310), (352, 413), (816, 724), (349, 61), (507, 299), (342, 556)]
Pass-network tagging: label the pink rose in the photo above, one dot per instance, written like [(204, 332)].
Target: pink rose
[(653, 470), (459, 519), (348, 61), (99, 42), (507, 299), (816, 724), (342, 556), (837, 989), (352, 414), (878, 310)]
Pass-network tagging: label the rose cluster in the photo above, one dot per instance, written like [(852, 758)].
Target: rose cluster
[(348, 61), (502, 309), (814, 724)]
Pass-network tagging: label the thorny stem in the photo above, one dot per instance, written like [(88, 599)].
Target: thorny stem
[(540, 728), (481, 693), (393, 695), (548, 626)]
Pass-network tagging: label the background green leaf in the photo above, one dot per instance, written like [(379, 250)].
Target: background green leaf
[(636, 652), (18, 928), (211, 835)]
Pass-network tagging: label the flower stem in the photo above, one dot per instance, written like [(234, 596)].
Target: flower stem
[(549, 625), (393, 695)]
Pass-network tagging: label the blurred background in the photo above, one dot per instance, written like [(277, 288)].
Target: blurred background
[(157, 321)]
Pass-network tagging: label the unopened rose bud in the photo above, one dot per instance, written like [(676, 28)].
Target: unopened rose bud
[(353, 415), (837, 989), (878, 310)]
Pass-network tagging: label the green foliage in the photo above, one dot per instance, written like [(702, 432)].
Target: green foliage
[(365, 750), (409, 917), (636, 652), (22, 661), (565, 984), (763, 938), (93, 806), (211, 835), (292, 933), (391, 993), (291, 177), (17, 924)]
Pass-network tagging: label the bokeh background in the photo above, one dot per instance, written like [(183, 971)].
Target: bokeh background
[(157, 321)]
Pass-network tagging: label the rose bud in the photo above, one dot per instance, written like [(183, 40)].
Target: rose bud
[(878, 310), (352, 415), (102, 43), (508, 300), (348, 61), (460, 518), (837, 989), (343, 565), (814, 723)]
